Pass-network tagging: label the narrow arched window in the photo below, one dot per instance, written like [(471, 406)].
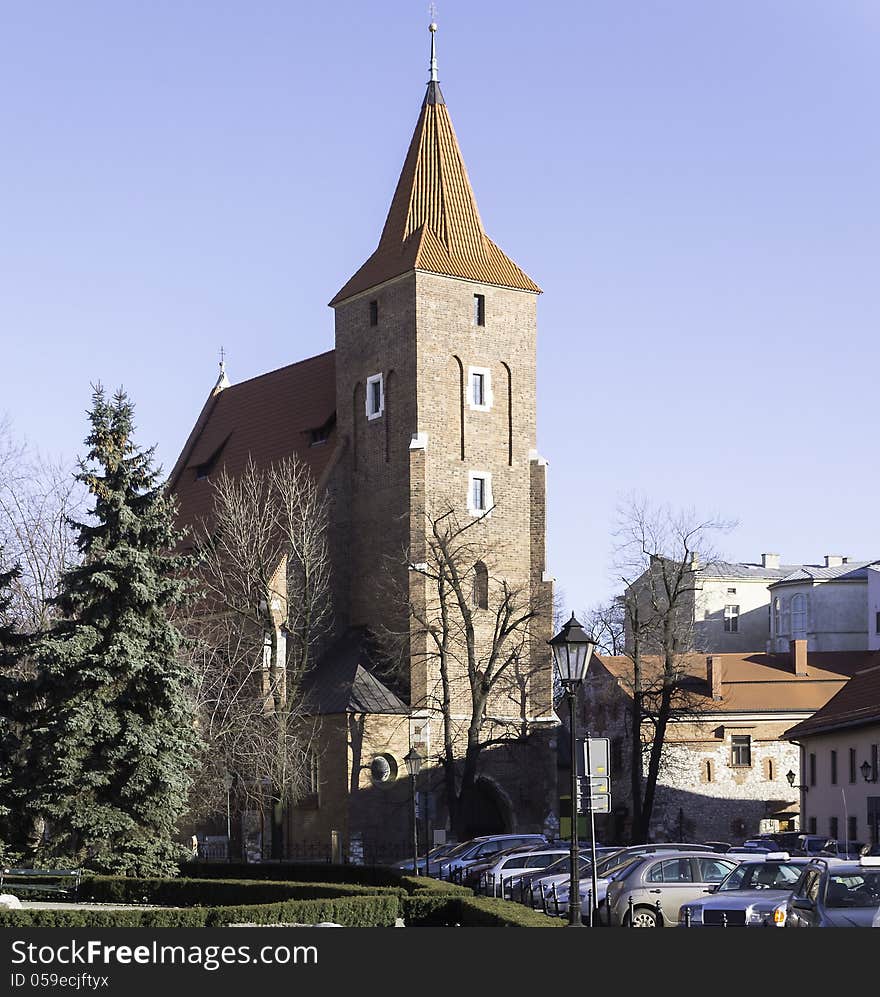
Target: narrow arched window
[(799, 615), (461, 395), (481, 586)]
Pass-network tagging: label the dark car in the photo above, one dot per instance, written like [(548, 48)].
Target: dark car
[(835, 894)]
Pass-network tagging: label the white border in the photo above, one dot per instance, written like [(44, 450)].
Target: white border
[(487, 388), (370, 381), (487, 476)]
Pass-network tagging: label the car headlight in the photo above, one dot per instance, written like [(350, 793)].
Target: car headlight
[(778, 916)]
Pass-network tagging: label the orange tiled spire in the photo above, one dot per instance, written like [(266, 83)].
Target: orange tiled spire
[(433, 223)]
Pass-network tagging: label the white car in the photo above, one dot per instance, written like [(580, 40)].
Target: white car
[(472, 851), (496, 879)]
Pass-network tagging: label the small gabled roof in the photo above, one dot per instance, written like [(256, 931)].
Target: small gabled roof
[(343, 681), (857, 704), (433, 223)]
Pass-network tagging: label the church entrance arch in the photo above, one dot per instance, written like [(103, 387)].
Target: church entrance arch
[(489, 811)]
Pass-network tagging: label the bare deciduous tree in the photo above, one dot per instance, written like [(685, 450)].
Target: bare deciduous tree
[(264, 612), (657, 556), (38, 497), (471, 633)]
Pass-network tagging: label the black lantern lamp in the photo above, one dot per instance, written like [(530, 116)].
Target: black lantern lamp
[(414, 765), (572, 649)]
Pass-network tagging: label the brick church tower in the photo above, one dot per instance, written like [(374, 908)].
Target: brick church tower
[(422, 417), (435, 389)]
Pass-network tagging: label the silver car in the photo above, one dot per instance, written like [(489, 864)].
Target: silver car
[(755, 894), (669, 880)]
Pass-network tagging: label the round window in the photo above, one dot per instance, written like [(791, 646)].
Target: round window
[(383, 768)]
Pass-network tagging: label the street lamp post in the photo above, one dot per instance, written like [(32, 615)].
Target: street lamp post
[(413, 765), (228, 780), (572, 649)]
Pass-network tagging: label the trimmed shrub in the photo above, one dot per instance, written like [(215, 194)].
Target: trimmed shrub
[(302, 872), (213, 892), (490, 912), (431, 910), (353, 912)]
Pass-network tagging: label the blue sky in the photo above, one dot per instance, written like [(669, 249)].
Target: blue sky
[(694, 186)]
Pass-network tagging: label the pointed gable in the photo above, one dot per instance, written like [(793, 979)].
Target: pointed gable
[(433, 223)]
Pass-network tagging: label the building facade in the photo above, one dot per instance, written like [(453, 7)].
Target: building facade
[(726, 756), (839, 772), (424, 413)]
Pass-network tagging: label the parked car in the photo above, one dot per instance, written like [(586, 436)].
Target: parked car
[(851, 850), (672, 879), (754, 894), (794, 842), (471, 851), (434, 856), (837, 894), (610, 866), (717, 846), (495, 879)]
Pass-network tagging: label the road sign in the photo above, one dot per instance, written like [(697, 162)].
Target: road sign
[(598, 756), (597, 784), (598, 803)]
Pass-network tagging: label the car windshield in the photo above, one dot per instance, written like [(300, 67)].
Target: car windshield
[(762, 876), (853, 889), (459, 850)]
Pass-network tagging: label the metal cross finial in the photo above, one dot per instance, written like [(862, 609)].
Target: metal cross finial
[(222, 360), (432, 27)]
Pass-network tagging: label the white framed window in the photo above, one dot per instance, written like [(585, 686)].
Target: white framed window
[(479, 492), (731, 619), (375, 396), (479, 389)]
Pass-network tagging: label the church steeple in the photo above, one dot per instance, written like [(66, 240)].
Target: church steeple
[(433, 223)]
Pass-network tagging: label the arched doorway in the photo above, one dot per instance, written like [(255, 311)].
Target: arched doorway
[(488, 811)]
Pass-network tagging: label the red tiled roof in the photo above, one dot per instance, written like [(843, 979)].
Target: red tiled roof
[(433, 223), (857, 703), (762, 682), (267, 418)]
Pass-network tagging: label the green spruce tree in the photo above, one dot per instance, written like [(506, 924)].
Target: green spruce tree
[(11, 646), (116, 744)]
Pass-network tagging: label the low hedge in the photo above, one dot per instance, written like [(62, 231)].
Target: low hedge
[(491, 912), (376, 911), (302, 872), (213, 892), (429, 909)]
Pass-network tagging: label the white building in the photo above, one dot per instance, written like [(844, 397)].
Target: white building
[(834, 607), (742, 606)]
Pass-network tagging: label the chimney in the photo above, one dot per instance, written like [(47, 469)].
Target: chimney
[(834, 560), (694, 560), (713, 676), (798, 651), (769, 560)]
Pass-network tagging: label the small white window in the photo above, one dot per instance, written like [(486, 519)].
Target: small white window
[(479, 492), (480, 388), (375, 396), (731, 619)]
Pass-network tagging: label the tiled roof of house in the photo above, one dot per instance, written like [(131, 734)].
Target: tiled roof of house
[(267, 418), (343, 681), (735, 569), (851, 571), (755, 683), (433, 223), (857, 703)]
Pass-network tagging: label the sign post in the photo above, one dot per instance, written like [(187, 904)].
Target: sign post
[(597, 791)]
